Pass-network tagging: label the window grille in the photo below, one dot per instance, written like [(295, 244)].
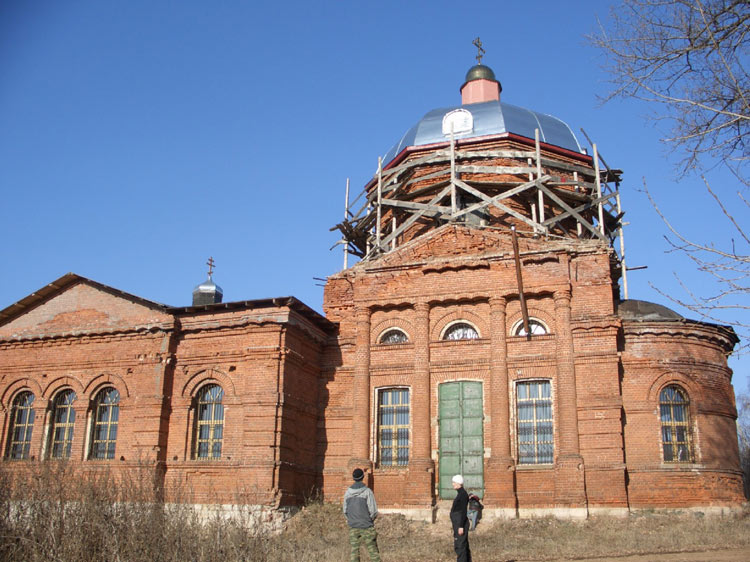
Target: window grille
[(209, 423), (461, 331), (536, 327), (393, 427), (536, 438), (394, 335), (675, 425), (21, 426), (106, 416), (63, 420)]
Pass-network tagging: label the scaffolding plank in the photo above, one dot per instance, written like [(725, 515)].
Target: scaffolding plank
[(410, 221), (466, 187)]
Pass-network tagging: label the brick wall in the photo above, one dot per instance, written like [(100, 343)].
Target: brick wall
[(300, 394)]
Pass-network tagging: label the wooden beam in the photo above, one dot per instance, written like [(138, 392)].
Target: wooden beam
[(474, 169), (410, 221), (519, 280), (413, 205), (575, 213), (499, 197), (567, 208), (466, 187), (520, 154)]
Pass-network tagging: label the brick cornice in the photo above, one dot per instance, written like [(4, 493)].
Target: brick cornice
[(665, 364), (692, 329), (89, 335)]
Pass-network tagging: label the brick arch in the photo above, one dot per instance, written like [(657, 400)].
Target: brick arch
[(534, 313), (105, 380), (394, 322), (460, 314), (17, 386), (672, 377), (65, 381), (208, 375)]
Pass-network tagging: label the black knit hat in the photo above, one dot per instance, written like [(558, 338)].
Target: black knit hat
[(358, 474)]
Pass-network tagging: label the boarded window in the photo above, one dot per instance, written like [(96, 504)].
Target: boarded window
[(536, 441), (393, 427)]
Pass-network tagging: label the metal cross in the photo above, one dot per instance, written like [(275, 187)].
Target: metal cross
[(480, 52), (210, 264)]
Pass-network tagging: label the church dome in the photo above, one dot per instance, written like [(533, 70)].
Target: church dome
[(641, 311), (487, 119), (480, 72), (207, 292)]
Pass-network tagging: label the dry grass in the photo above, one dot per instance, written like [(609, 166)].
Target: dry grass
[(318, 532), (69, 517)]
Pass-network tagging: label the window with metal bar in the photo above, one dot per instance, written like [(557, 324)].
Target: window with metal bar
[(394, 335), (209, 423), (536, 438), (461, 331), (62, 423), (675, 424), (21, 426), (104, 430), (393, 427), (536, 328)]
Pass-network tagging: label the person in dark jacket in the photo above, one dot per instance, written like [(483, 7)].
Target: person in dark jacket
[(460, 521), (361, 510)]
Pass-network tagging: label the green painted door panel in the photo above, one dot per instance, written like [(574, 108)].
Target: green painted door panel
[(461, 436)]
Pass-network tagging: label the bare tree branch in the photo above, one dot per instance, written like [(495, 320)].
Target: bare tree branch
[(689, 57), (727, 268)]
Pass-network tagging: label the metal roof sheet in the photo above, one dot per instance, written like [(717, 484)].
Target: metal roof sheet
[(490, 118)]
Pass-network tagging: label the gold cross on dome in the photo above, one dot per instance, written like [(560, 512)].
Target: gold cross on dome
[(480, 51), (210, 263)]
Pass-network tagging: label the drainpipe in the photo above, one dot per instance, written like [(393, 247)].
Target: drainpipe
[(521, 296)]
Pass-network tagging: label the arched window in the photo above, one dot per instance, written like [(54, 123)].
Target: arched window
[(536, 327), (61, 430), (21, 425), (209, 423), (675, 424), (461, 331), (394, 335), (393, 427), (104, 431)]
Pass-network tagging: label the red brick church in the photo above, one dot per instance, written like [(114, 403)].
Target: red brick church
[(481, 331)]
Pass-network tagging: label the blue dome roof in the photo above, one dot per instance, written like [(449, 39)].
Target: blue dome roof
[(489, 118)]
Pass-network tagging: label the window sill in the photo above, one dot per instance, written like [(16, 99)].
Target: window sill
[(474, 341), (525, 467), (681, 466)]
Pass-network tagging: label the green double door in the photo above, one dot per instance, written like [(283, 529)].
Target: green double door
[(461, 437)]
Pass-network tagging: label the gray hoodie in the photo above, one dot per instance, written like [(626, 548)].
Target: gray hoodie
[(359, 506)]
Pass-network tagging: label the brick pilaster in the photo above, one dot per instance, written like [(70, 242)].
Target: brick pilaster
[(569, 469), (421, 465), (361, 389), (500, 473)]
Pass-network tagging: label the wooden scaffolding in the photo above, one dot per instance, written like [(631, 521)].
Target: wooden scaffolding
[(546, 196)]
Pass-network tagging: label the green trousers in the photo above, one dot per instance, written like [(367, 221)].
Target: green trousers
[(369, 537)]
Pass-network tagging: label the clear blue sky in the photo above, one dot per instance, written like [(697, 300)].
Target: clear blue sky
[(139, 138)]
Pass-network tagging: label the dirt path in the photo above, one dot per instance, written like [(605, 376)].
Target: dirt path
[(728, 555)]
